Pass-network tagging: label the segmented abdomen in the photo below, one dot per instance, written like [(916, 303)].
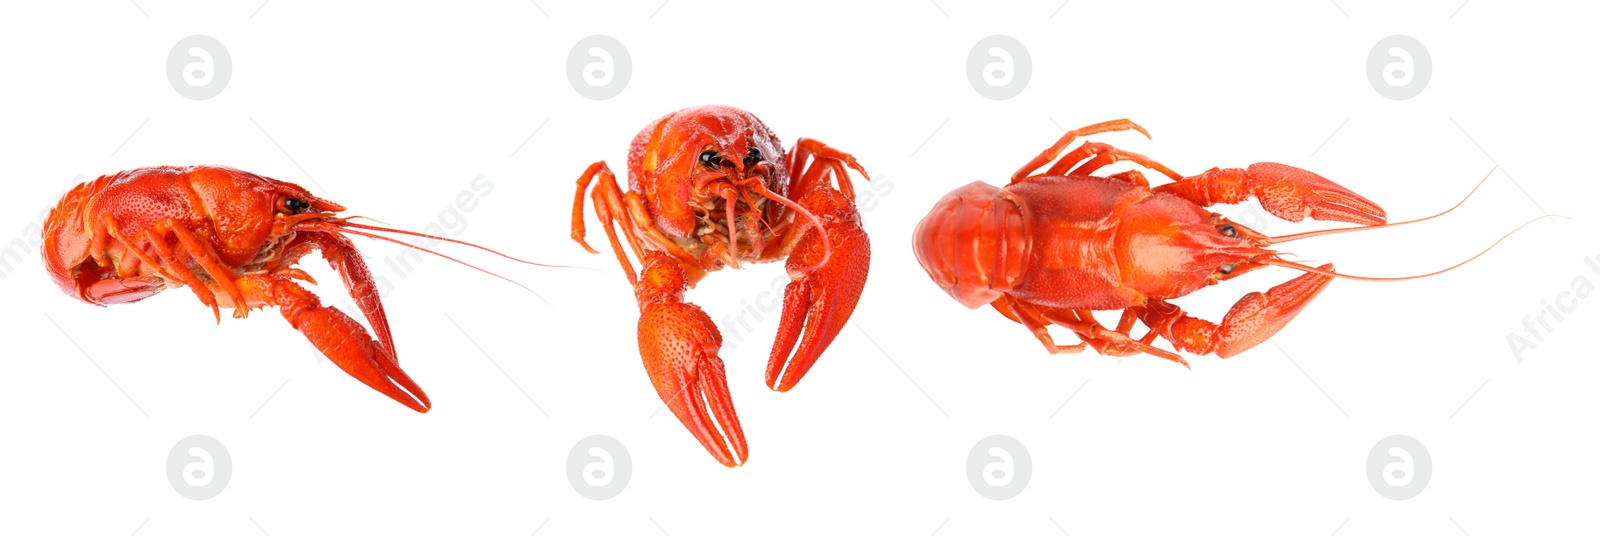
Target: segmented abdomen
[(974, 244)]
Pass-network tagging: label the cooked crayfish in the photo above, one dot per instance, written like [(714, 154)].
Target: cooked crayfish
[(710, 187), (233, 238), (1052, 247)]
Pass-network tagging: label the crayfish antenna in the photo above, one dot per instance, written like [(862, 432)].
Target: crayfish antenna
[(345, 228), (1308, 269), (1310, 234), (345, 222)]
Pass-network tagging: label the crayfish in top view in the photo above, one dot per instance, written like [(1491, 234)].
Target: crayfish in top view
[(233, 238), (710, 187), (1054, 246)]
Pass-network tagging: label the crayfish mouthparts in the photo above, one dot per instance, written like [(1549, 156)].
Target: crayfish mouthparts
[(727, 215)]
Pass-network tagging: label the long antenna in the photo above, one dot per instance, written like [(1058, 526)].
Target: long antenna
[(1308, 269), (345, 222), (328, 227)]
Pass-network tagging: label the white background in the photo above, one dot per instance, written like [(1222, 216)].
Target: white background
[(393, 108)]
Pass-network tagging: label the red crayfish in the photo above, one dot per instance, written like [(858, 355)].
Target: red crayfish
[(1054, 246), (233, 238), (710, 187)]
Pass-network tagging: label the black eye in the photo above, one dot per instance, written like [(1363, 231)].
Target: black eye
[(295, 206), (753, 157), (1225, 269), (1228, 231), (710, 159)]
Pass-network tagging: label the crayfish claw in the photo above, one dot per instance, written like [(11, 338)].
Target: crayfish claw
[(343, 340), (1288, 192), (679, 345), (1293, 194), (824, 290), (1252, 320)]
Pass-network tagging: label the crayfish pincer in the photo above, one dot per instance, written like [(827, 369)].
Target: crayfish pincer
[(233, 238)]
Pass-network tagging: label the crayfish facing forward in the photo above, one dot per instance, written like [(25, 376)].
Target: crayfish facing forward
[(711, 187), (233, 238)]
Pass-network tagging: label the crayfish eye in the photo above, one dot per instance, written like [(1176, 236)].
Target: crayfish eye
[(753, 157), (293, 205), (710, 159), (1225, 269), (1228, 231)]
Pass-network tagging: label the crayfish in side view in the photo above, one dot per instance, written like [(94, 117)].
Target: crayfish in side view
[(233, 238)]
